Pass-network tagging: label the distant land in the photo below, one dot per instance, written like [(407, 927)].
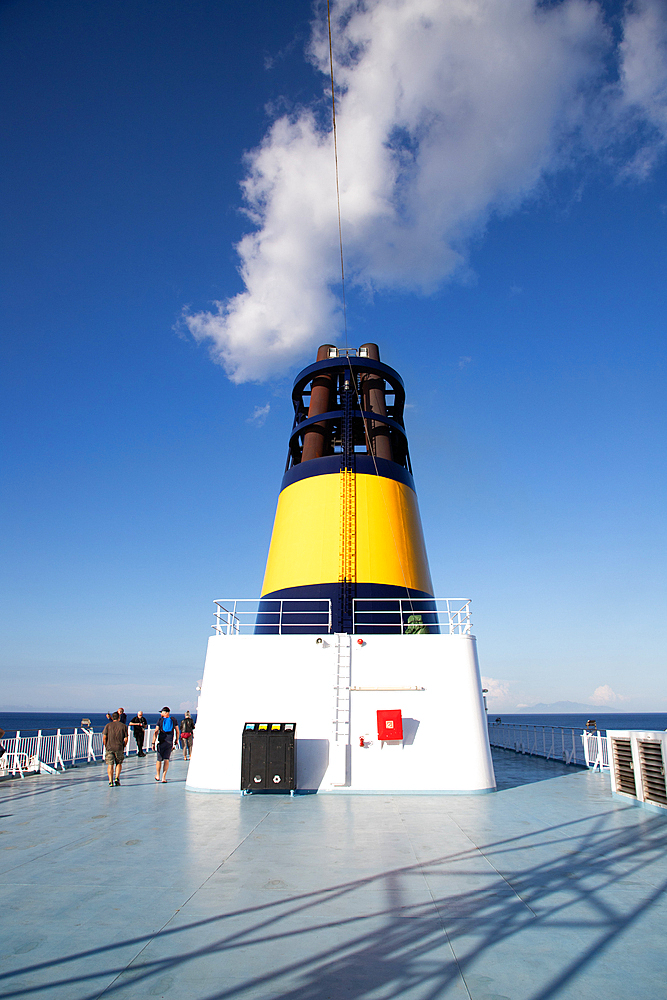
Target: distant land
[(564, 708)]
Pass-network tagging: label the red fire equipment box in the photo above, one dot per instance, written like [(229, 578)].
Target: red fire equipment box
[(390, 724)]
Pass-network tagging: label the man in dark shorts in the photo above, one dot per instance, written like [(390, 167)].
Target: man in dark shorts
[(165, 733), (139, 727), (114, 741)]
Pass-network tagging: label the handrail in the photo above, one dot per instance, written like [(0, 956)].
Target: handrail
[(567, 744), (244, 615), (412, 615), (286, 616), (50, 751), (596, 750)]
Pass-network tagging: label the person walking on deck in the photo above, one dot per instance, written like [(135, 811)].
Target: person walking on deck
[(165, 733), (187, 729), (139, 727), (114, 741)]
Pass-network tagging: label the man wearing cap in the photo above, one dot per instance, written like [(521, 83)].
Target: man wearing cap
[(114, 741), (165, 733)]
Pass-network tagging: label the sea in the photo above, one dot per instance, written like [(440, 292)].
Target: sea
[(28, 723), (651, 721)]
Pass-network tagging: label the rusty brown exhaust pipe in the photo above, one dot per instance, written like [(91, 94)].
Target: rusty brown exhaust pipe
[(316, 438), (373, 399)]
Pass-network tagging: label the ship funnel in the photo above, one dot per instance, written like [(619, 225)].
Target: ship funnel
[(347, 528)]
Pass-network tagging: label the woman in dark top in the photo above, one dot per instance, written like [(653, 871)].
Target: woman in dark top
[(187, 729)]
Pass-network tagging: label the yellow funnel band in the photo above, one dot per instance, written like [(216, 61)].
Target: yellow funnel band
[(308, 532)]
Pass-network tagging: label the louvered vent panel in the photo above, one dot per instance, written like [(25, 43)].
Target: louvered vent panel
[(653, 771), (623, 767)]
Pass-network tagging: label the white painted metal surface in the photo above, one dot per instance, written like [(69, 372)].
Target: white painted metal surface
[(340, 741), (433, 679), (595, 750), (637, 761), (551, 890)]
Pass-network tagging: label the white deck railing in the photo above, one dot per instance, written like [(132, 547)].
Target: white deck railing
[(412, 615), (406, 615), (570, 745), (51, 751), (596, 750), (244, 616)]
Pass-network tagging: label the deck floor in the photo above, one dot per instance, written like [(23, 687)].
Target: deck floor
[(549, 888)]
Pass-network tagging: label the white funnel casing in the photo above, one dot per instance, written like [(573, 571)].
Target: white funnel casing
[(432, 679)]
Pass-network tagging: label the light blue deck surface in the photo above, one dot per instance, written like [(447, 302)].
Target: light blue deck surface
[(543, 890)]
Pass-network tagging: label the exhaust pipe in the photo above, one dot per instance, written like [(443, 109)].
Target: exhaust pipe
[(373, 400), (316, 438)]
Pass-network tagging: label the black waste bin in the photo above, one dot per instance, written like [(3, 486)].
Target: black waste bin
[(267, 758)]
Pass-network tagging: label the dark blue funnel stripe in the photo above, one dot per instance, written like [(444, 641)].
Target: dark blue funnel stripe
[(379, 616)]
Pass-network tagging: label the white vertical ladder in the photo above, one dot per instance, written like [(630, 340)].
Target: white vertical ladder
[(341, 713)]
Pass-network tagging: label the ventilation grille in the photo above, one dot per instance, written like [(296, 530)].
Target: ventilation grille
[(653, 771), (623, 768)]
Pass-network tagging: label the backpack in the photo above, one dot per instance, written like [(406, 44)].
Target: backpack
[(167, 726)]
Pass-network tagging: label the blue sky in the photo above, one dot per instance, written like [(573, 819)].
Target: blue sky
[(137, 485)]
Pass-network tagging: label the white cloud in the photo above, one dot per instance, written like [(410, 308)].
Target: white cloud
[(448, 112), (603, 695), (498, 694), (643, 75), (259, 415), (464, 360)]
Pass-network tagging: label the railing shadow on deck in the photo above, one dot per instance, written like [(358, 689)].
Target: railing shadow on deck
[(353, 957), (93, 772), (513, 770)]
